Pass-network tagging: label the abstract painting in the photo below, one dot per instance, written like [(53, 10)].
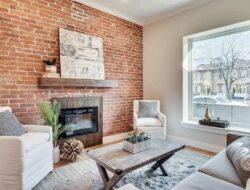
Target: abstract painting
[(81, 55)]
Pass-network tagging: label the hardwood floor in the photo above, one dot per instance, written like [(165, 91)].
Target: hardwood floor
[(64, 162), (201, 151), (84, 157)]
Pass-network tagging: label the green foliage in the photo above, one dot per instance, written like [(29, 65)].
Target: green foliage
[(137, 135), (50, 114)]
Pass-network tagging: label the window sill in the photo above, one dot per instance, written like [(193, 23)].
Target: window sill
[(223, 131)]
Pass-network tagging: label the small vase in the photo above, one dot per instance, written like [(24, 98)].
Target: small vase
[(56, 155), (207, 115), (50, 69)]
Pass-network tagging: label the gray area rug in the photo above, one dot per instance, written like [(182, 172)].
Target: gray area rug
[(84, 175)]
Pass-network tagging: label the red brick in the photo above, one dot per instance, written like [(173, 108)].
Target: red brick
[(29, 34)]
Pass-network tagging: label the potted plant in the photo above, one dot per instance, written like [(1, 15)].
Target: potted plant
[(50, 65), (50, 114), (137, 141), (50, 69)]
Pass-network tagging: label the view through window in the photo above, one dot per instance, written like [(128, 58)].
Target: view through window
[(220, 77)]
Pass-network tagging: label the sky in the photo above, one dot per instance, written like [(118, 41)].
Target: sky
[(204, 49)]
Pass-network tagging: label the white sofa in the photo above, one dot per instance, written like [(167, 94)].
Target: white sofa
[(25, 160), (156, 127)]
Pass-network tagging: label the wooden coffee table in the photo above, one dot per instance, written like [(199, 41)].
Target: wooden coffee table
[(120, 162)]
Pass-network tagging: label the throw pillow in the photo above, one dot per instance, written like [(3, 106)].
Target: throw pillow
[(147, 109), (9, 125), (239, 154)]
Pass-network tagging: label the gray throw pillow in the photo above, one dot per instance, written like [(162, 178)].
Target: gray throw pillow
[(9, 125), (147, 109), (239, 154)]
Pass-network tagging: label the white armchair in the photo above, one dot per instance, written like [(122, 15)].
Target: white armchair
[(27, 159), (156, 127)]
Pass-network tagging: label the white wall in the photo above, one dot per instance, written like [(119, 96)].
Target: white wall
[(163, 62)]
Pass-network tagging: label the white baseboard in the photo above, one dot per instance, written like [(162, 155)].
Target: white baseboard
[(196, 144), (114, 138)]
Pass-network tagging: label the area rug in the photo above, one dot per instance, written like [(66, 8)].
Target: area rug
[(84, 175)]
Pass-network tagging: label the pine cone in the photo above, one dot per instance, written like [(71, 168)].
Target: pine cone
[(72, 149)]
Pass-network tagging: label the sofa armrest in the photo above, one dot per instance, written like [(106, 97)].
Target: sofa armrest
[(11, 147), (163, 120), (231, 137), (39, 129)]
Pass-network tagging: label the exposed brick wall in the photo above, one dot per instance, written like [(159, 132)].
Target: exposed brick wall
[(29, 33)]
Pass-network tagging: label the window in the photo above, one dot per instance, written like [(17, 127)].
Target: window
[(220, 75), (222, 56), (211, 101), (220, 88), (196, 88), (201, 76)]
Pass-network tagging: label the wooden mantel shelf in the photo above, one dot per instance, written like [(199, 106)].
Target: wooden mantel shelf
[(55, 82)]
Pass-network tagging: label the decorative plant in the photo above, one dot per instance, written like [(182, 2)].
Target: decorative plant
[(50, 114), (50, 62), (137, 135)]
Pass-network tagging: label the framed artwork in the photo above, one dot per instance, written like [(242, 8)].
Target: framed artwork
[(81, 55)]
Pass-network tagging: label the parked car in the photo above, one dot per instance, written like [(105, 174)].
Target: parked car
[(216, 100)]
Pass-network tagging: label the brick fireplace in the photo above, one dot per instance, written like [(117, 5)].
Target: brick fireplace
[(30, 34)]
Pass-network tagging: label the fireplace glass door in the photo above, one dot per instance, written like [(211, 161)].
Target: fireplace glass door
[(82, 120)]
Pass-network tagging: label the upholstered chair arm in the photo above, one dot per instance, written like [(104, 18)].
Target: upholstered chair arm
[(39, 129), (135, 117), (163, 120), (11, 147)]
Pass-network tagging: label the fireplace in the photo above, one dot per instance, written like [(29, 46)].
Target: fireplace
[(84, 114), (82, 120)]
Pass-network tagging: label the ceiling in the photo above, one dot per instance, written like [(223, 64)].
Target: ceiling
[(143, 12)]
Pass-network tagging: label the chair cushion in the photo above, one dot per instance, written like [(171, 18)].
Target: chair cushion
[(147, 109), (10, 125), (201, 181), (221, 167), (31, 141), (239, 154), (148, 122)]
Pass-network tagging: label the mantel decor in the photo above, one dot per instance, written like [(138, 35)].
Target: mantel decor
[(137, 141), (81, 55), (50, 69)]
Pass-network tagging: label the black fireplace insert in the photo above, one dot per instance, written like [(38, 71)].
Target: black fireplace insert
[(82, 120)]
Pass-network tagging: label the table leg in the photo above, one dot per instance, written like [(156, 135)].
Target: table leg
[(111, 183), (103, 172), (159, 164), (108, 183)]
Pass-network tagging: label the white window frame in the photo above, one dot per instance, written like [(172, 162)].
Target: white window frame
[(187, 68)]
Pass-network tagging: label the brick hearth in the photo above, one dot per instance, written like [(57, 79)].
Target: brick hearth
[(29, 33)]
